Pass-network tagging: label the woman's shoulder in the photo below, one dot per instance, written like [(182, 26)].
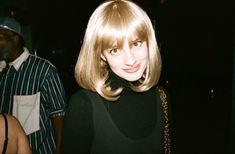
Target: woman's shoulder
[(82, 97), (162, 93), (83, 94), (2, 125), (17, 138), (12, 122), (79, 105), (9, 119)]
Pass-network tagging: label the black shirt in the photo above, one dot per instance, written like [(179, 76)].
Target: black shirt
[(133, 113)]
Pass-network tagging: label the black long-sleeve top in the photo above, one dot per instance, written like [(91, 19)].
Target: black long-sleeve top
[(133, 113)]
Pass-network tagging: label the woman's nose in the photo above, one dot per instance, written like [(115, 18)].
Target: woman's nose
[(130, 58)]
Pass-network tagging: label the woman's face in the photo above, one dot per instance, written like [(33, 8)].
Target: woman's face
[(128, 62)]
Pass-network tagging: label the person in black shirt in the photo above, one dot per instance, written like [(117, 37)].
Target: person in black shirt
[(120, 108)]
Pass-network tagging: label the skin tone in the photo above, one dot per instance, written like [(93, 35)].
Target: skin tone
[(58, 125), (128, 62), (17, 140)]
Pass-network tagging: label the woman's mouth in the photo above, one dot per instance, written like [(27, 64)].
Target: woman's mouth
[(132, 69)]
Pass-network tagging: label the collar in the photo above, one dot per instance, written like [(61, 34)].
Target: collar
[(2, 65), (17, 62), (117, 82)]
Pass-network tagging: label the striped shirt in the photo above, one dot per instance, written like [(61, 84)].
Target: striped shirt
[(30, 89)]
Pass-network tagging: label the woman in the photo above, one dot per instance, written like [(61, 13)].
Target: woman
[(119, 109)]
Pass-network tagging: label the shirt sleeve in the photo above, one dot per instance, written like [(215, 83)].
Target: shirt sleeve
[(54, 93), (78, 125)]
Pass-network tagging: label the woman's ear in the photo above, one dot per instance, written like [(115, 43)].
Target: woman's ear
[(103, 57)]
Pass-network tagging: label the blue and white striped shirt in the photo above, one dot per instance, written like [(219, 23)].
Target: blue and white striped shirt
[(30, 89)]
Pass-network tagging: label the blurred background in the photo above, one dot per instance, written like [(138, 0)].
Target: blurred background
[(197, 44)]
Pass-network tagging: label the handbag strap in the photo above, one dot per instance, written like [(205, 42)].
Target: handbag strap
[(163, 97)]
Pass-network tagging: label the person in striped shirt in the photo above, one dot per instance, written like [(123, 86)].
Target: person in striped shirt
[(31, 90)]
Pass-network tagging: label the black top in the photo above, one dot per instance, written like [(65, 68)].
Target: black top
[(134, 114)]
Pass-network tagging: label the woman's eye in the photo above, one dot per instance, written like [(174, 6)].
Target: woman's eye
[(137, 43), (114, 51)]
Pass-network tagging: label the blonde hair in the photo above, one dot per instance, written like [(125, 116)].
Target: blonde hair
[(112, 21)]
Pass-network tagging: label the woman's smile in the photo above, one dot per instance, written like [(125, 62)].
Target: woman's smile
[(132, 69)]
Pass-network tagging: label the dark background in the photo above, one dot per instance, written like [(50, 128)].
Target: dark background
[(196, 39)]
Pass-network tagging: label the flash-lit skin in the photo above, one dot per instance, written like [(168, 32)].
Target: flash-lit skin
[(129, 62)]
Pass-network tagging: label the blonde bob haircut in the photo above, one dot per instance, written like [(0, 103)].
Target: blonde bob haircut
[(114, 21)]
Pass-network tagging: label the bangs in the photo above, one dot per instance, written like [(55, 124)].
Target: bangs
[(119, 23)]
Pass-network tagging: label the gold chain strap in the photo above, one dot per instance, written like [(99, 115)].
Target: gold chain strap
[(167, 145)]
